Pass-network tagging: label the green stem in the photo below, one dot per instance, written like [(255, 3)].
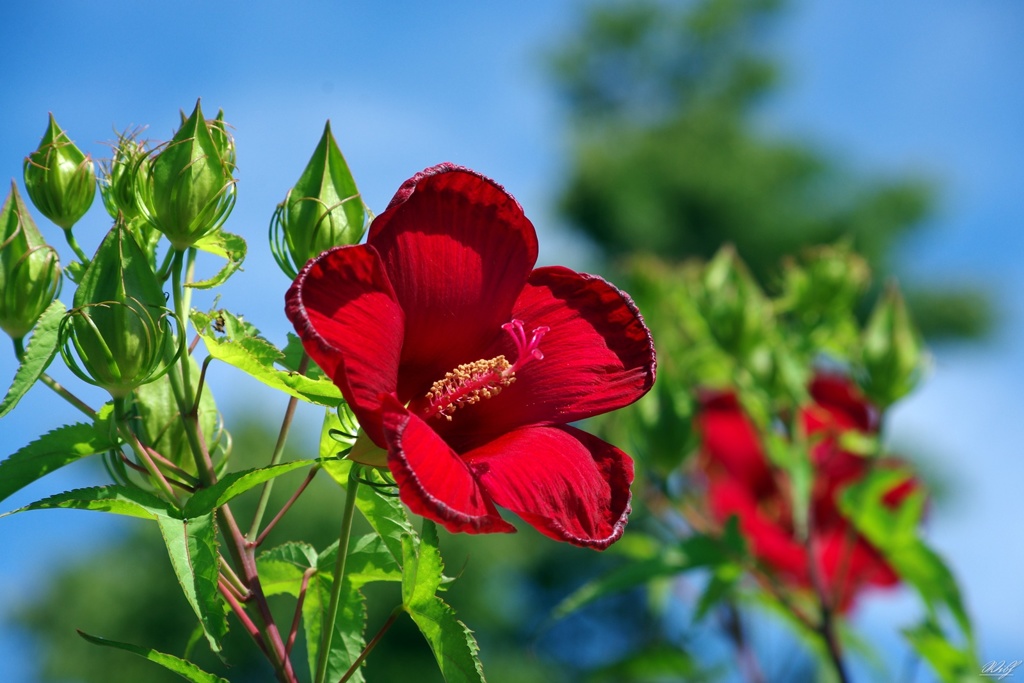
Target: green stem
[(68, 396), (181, 384), (19, 353), (126, 433), (77, 249), (372, 644), (275, 458), (339, 574)]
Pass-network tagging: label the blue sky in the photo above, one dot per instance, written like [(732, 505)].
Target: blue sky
[(892, 87)]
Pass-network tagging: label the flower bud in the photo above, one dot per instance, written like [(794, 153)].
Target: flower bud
[(29, 268), (892, 350), (59, 178), (119, 327), (129, 166), (117, 179), (828, 281), (323, 210), (189, 190), (732, 303)]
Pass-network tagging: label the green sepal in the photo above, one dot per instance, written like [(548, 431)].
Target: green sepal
[(189, 190), (892, 351), (119, 328)]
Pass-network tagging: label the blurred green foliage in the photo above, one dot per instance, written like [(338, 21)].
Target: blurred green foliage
[(669, 156)]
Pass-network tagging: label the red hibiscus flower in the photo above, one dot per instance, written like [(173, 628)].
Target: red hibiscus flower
[(741, 482), (467, 364)]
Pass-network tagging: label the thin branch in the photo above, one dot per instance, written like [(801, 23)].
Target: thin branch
[(288, 504), (372, 644), (275, 457), (306, 576)]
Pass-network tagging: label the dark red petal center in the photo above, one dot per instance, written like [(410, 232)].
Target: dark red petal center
[(470, 383)]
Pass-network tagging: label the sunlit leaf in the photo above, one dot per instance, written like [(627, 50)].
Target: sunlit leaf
[(192, 547), (187, 670), (38, 355), (227, 246), (54, 450), (242, 347)]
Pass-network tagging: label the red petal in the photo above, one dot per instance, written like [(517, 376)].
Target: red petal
[(432, 479), (567, 484), (730, 444), (458, 250), (346, 314), (772, 540), (850, 564), (598, 357)]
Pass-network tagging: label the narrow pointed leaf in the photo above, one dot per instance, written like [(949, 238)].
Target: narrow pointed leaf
[(187, 670), (192, 547), (209, 499), (52, 451), (40, 352), (118, 500), (452, 643)]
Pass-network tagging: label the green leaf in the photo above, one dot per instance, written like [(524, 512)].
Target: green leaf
[(187, 670), (231, 485), (40, 352), (369, 559), (243, 347), (452, 643), (281, 569), (894, 532), (227, 246), (627, 576), (119, 500), (951, 663), (192, 547), (293, 352), (384, 512), (54, 450)]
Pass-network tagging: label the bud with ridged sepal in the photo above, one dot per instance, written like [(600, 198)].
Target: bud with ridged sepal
[(59, 178), (322, 211), (119, 327), (29, 268), (189, 190)]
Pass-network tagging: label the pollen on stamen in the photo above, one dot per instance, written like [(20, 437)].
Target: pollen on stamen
[(470, 383)]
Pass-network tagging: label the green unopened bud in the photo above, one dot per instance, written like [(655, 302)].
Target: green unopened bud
[(119, 327), (59, 178), (892, 351), (732, 303), (129, 166), (323, 210), (29, 268), (117, 180), (828, 280), (189, 190)]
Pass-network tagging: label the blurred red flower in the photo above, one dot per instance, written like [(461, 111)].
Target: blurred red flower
[(741, 482), (467, 364)]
